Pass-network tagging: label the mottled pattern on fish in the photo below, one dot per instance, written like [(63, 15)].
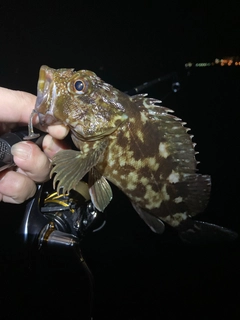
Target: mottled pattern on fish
[(152, 159), (133, 142)]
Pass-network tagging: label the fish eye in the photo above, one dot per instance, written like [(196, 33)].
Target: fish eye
[(79, 86)]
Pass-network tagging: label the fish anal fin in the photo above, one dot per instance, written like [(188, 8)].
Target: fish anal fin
[(155, 224)]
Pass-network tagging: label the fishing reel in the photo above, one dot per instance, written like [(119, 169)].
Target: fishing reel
[(52, 218), (59, 221), (54, 224)]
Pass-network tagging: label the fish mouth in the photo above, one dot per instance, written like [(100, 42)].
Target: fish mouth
[(44, 80), (46, 119), (42, 106)]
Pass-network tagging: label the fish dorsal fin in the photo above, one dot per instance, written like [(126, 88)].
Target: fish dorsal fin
[(99, 189), (176, 138), (155, 224)]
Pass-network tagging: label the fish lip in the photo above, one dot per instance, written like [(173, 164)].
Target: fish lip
[(45, 113), (44, 81), (46, 119), (40, 104)]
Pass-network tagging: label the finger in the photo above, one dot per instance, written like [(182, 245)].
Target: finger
[(51, 146), (16, 106), (58, 131), (16, 187), (31, 161)]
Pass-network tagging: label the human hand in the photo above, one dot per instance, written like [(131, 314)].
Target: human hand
[(33, 165)]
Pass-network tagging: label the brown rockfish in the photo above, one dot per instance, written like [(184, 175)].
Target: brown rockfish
[(131, 141)]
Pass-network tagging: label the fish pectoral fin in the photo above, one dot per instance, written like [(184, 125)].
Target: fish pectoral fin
[(201, 232), (70, 167), (155, 224), (99, 189)]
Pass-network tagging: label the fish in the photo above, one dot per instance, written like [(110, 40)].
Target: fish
[(132, 142)]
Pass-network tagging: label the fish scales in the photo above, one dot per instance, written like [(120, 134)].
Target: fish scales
[(132, 141), (144, 167)]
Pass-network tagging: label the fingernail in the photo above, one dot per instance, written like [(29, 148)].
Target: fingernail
[(22, 150), (51, 144)]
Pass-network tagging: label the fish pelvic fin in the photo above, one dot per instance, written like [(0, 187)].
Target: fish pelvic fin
[(99, 189)]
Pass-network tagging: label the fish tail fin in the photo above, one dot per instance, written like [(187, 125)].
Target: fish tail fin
[(200, 232)]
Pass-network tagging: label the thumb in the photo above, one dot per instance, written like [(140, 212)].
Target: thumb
[(31, 160)]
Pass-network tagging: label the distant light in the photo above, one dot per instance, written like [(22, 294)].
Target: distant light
[(227, 61), (188, 64), (203, 64)]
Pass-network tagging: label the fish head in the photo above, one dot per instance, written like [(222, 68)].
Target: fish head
[(90, 107)]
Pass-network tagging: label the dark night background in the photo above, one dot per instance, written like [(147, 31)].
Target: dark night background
[(138, 275)]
